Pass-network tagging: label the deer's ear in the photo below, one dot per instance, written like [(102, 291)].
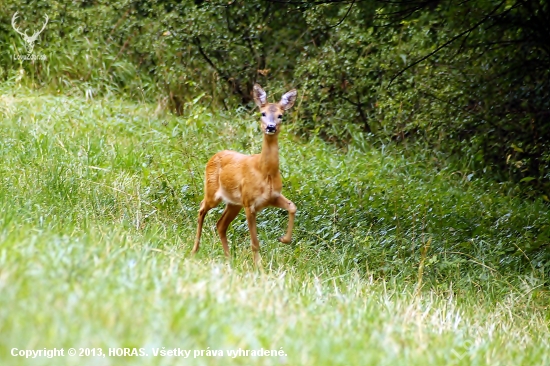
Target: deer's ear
[(260, 96), (288, 99)]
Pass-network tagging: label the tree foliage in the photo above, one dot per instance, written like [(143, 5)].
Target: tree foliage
[(470, 78)]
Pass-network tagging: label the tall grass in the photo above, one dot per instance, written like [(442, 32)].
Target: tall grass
[(395, 260)]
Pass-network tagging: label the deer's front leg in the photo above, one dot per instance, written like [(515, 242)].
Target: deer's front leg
[(286, 204), (251, 220)]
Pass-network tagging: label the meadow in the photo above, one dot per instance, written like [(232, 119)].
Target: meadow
[(397, 258)]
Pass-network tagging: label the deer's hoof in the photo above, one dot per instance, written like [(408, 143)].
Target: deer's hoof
[(282, 239), (257, 259)]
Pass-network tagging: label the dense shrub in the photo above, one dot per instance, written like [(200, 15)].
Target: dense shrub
[(469, 79), (172, 51), (483, 97)]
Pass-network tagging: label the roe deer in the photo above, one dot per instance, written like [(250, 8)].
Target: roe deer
[(249, 181)]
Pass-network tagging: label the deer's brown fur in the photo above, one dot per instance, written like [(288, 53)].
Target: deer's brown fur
[(249, 181)]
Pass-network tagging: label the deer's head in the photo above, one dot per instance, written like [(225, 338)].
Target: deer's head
[(272, 113)]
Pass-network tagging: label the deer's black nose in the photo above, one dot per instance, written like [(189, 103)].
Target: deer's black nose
[(270, 128)]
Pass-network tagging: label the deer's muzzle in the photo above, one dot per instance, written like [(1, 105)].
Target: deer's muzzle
[(270, 129)]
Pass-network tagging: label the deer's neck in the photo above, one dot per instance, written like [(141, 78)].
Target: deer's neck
[(269, 157)]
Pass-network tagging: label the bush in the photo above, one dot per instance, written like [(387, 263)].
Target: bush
[(481, 97)]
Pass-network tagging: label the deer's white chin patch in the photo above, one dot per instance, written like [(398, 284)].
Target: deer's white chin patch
[(269, 133)]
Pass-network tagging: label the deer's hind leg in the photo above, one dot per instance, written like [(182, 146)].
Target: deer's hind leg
[(211, 200), (206, 205), (229, 214)]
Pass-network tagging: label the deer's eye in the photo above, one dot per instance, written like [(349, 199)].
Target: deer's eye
[(263, 114), (280, 116)]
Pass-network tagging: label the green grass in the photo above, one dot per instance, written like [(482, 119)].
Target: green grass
[(396, 260)]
